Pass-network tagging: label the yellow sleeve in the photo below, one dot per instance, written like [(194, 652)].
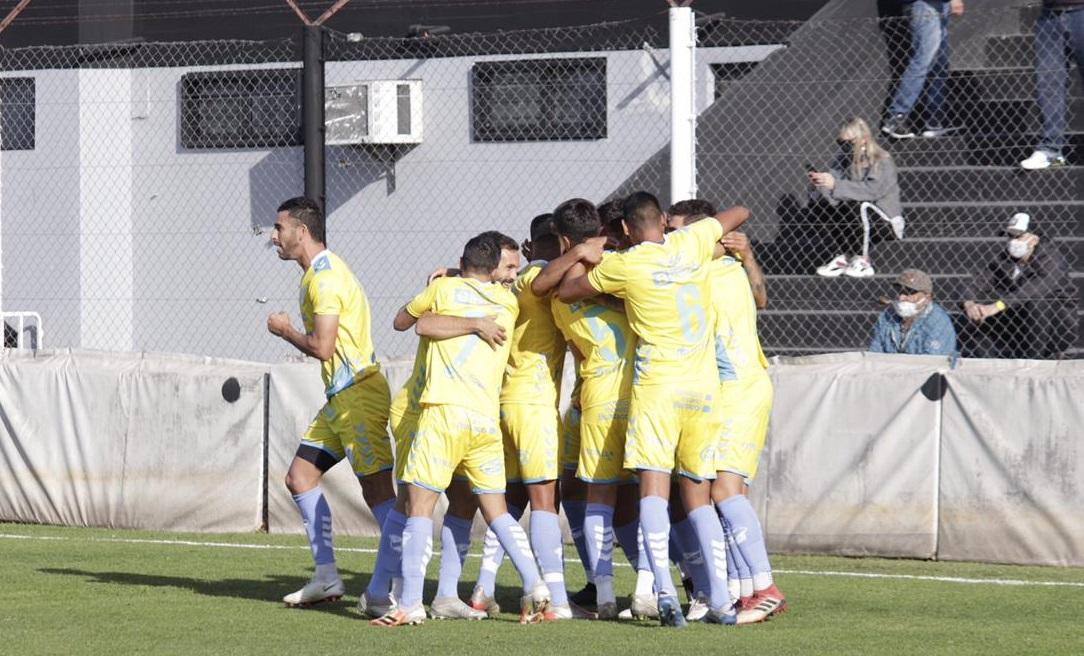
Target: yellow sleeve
[(325, 294), (609, 277), (423, 302), (706, 233)]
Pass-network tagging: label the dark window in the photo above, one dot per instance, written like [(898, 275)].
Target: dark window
[(730, 72), (540, 100), (17, 115), (241, 109)]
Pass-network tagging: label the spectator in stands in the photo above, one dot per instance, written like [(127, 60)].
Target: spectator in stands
[(914, 324), (1060, 25), (858, 198), (928, 68), (1022, 305)]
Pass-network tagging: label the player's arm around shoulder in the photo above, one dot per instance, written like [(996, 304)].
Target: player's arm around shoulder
[(550, 276), (728, 220), (606, 277), (424, 302)]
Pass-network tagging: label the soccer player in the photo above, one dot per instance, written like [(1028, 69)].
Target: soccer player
[(663, 280), (605, 347), (737, 286), (458, 428), (353, 423), (530, 424)]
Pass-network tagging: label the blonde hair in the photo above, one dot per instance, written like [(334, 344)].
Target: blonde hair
[(866, 153)]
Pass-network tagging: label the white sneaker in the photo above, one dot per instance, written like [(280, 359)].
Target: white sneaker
[(859, 268), (835, 268), (534, 605), (898, 224), (315, 592), (488, 605), (698, 608), (1042, 159), (453, 608), (375, 608)]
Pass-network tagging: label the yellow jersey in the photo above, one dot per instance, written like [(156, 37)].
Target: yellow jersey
[(465, 371), (738, 355), (533, 375), (330, 288), (667, 296), (608, 345)]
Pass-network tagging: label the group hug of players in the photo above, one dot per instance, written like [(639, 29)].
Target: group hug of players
[(667, 420)]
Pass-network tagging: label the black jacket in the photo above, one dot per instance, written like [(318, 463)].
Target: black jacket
[(1045, 276)]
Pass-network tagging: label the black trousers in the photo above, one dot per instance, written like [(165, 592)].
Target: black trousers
[(1037, 330)]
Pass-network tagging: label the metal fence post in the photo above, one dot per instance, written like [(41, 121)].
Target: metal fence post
[(682, 104), (312, 114)]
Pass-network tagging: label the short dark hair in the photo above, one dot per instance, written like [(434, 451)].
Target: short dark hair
[(641, 208), (503, 241), (307, 212), (611, 211), (542, 225), (481, 254), (577, 219), (693, 209)]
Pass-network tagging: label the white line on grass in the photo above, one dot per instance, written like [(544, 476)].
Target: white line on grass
[(798, 572)]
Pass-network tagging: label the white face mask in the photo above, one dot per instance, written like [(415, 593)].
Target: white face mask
[(1018, 248), (906, 309)]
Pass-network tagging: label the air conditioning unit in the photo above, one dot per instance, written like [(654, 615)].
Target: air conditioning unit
[(375, 112)]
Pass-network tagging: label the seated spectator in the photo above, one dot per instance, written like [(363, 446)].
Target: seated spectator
[(914, 324), (858, 198), (1022, 305)]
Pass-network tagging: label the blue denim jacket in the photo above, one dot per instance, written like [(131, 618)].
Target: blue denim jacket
[(931, 333)]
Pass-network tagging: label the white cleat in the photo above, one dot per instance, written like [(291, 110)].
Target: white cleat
[(375, 607), (488, 605), (401, 617), (698, 608), (453, 608), (644, 607), (534, 605), (315, 592)]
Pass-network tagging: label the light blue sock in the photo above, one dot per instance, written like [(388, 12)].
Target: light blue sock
[(733, 577), (626, 537), (492, 557), (380, 511), (514, 542), (712, 543), (317, 517), (549, 552), (741, 568), (598, 527), (389, 555), (692, 556), (748, 537), (574, 513), (655, 521), (417, 550), (454, 544)]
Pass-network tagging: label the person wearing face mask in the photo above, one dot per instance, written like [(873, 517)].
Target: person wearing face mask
[(1022, 305), (858, 199), (914, 324)]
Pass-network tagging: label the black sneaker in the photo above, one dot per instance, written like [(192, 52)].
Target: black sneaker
[(587, 598), (898, 127)]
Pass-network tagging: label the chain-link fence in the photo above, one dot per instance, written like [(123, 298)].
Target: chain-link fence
[(139, 181)]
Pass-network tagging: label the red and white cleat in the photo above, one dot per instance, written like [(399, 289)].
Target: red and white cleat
[(766, 604)]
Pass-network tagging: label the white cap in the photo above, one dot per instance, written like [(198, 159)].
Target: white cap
[(1019, 223)]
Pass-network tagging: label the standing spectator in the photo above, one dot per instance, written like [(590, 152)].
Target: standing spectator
[(1021, 304), (914, 324), (860, 186), (1060, 25), (928, 68)]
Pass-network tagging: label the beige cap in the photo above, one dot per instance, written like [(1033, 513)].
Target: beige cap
[(914, 279)]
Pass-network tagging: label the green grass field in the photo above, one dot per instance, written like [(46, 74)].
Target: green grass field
[(93, 591)]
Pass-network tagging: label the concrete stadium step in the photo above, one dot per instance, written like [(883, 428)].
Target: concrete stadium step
[(977, 183), (1010, 115), (964, 148), (1018, 83), (823, 330), (811, 292), (984, 219), (1010, 50)]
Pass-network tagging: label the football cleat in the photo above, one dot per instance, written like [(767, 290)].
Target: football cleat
[(607, 610), (586, 598), (374, 608), (315, 592), (767, 604), (534, 605), (698, 608), (670, 611), (488, 605), (727, 617), (401, 617), (453, 608), (644, 607), (566, 612)]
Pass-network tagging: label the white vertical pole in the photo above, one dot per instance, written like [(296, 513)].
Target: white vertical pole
[(682, 104)]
